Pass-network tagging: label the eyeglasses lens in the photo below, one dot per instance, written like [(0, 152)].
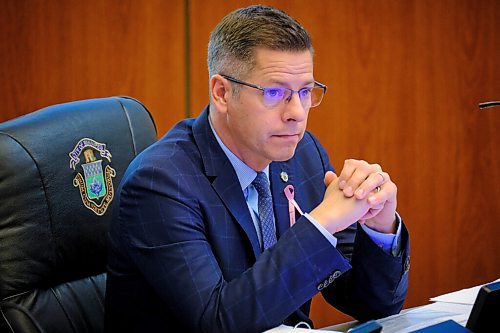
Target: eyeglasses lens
[(310, 97)]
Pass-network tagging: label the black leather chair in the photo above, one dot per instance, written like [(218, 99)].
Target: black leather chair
[(59, 170)]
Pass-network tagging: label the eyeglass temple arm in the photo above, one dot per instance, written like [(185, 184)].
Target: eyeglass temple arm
[(321, 85)]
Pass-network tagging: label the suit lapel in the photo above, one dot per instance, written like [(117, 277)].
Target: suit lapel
[(228, 188), (280, 201), (225, 182)]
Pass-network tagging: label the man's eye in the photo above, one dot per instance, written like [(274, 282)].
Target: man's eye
[(305, 92), (274, 92)]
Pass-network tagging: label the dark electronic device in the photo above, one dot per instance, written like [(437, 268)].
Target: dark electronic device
[(448, 326), (485, 313)]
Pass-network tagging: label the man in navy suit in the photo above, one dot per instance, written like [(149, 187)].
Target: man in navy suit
[(205, 238)]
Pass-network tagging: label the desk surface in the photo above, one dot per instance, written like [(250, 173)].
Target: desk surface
[(416, 318), (455, 306)]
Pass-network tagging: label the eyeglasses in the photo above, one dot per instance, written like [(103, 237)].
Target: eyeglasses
[(272, 97)]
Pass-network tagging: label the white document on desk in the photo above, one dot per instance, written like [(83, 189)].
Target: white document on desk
[(290, 329), (464, 296), (424, 316), (456, 306)]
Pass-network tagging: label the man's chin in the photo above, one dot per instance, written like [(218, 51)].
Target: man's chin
[(284, 156)]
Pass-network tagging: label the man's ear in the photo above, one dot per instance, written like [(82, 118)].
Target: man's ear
[(220, 90)]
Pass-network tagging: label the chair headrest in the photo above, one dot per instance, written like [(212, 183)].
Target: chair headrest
[(59, 168)]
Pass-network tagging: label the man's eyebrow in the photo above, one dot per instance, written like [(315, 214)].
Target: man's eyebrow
[(285, 84)]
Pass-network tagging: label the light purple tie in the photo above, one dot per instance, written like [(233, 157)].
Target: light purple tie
[(266, 215)]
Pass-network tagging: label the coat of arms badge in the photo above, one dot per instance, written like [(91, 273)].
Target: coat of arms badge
[(96, 185)]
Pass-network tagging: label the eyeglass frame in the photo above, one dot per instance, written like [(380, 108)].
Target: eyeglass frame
[(263, 89)]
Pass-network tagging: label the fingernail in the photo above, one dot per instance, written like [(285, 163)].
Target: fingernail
[(342, 184), (348, 190), (359, 193)]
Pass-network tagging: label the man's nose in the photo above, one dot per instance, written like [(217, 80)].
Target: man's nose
[(294, 110)]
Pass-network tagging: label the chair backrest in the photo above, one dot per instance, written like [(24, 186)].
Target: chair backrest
[(59, 169)]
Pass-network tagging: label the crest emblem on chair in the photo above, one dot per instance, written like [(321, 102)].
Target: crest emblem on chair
[(96, 185)]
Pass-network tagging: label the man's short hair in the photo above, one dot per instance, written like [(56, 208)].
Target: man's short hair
[(234, 40)]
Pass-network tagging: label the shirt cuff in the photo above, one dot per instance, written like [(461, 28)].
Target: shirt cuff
[(388, 242), (332, 239)]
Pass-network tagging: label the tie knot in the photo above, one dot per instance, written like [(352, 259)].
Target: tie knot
[(261, 184)]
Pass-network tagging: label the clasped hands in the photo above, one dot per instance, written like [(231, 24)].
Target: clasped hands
[(362, 192)]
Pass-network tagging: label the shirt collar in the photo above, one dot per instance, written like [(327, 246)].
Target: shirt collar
[(246, 174)]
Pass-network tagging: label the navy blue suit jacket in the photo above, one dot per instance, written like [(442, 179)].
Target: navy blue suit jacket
[(185, 256)]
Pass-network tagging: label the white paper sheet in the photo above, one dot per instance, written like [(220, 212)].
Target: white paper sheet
[(290, 329), (464, 296)]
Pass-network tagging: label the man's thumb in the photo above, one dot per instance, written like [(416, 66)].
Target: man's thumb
[(330, 177)]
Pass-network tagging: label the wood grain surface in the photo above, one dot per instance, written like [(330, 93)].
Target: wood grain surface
[(62, 50)]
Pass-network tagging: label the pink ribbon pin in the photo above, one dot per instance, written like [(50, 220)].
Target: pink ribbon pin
[(292, 204)]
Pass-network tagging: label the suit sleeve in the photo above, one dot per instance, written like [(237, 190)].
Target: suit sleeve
[(377, 284)]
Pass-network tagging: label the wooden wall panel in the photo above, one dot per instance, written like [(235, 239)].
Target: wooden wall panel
[(457, 188), (63, 50), (404, 81)]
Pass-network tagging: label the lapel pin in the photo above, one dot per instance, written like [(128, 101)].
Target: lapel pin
[(284, 176)]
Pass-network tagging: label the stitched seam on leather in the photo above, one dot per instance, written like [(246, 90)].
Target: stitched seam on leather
[(93, 280), (16, 295), (143, 106), (21, 309), (63, 309), (129, 124), (5, 318)]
